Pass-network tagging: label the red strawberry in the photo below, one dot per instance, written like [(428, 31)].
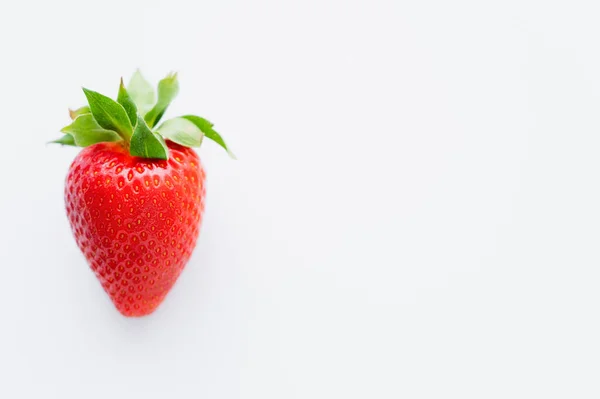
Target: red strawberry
[(134, 201)]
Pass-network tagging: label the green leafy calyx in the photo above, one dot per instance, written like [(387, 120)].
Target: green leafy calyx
[(132, 118), (86, 131), (147, 144)]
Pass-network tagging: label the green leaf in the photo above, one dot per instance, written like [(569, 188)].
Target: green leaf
[(141, 92), (167, 91), (109, 114), (67, 139), (125, 100), (181, 131), (86, 131), (79, 111), (147, 144), (207, 128)]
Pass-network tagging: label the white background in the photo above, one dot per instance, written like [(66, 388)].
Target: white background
[(414, 213)]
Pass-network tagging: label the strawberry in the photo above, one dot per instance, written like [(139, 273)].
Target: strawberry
[(135, 195)]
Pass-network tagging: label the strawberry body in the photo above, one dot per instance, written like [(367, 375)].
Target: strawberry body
[(136, 220)]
